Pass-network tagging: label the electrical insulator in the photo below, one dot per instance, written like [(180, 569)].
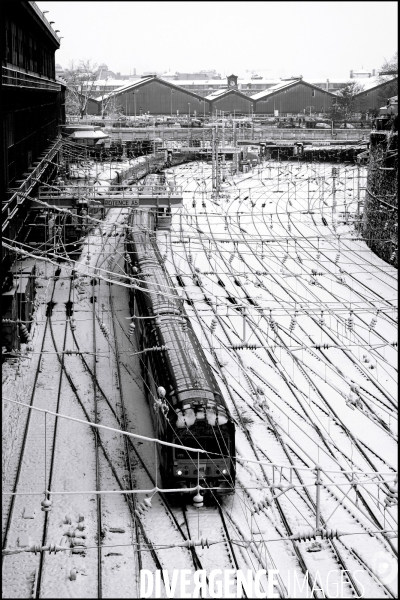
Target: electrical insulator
[(231, 258), (292, 324), (213, 325), (284, 259), (184, 326), (299, 259), (337, 258), (24, 334), (393, 257), (392, 495), (321, 319), (194, 203), (350, 322), (104, 329), (143, 507), (318, 256), (190, 259), (161, 391), (373, 323), (131, 328), (272, 324), (198, 500), (46, 505)]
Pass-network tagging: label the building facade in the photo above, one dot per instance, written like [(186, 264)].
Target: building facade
[(293, 97), (33, 109)]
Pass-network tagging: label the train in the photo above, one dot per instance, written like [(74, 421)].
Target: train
[(186, 403)]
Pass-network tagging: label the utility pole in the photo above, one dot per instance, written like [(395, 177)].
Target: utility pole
[(236, 156), (334, 175), (358, 197), (215, 165), (213, 158)]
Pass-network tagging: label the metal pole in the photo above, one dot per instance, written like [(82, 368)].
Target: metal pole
[(213, 158), (318, 498), (358, 196)]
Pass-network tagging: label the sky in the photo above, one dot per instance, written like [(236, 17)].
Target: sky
[(273, 39)]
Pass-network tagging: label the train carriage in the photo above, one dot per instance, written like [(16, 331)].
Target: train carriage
[(186, 402)]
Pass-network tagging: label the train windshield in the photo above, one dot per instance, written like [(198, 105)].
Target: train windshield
[(217, 445)]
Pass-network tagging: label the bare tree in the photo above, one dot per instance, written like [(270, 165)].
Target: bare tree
[(388, 74), (390, 68), (81, 80), (343, 106), (111, 106)]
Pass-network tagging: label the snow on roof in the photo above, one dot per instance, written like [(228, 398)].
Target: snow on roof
[(217, 93), (220, 93), (279, 86), (126, 86), (85, 134), (372, 82)]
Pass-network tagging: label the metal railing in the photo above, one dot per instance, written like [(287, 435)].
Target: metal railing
[(14, 77), (83, 192), (16, 196)]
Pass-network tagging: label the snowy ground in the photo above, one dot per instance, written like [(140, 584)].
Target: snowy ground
[(304, 295)]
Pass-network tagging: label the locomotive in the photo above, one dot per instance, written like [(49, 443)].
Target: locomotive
[(185, 400)]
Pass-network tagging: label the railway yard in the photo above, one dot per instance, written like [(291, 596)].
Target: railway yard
[(297, 319)]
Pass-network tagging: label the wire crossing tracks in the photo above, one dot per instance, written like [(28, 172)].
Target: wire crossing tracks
[(286, 304)]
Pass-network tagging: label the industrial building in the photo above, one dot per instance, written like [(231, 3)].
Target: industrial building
[(230, 99), (156, 96), (293, 97), (33, 111), (375, 96)]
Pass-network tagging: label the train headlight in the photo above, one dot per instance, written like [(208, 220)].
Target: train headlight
[(179, 472), (224, 471)]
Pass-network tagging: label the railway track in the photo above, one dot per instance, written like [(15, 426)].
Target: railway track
[(177, 270), (41, 436)]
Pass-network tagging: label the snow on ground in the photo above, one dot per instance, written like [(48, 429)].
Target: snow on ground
[(302, 283), (302, 292)]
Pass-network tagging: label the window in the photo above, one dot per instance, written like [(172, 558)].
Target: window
[(313, 93)]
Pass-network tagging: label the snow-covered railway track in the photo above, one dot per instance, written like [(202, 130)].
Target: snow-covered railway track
[(329, 269), (149, 532), (320, 433), (297, 550), (291, 334), (365, 458), (46, 443)]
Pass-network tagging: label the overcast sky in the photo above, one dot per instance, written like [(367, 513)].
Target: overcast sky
[(276, 39)]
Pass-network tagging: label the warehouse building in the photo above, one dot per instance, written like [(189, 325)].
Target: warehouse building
[(372, 98), (231, 101), (292, 97), (157, 97)]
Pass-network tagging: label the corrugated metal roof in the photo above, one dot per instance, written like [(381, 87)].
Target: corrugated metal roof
[(131, 85), (287, 84)]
